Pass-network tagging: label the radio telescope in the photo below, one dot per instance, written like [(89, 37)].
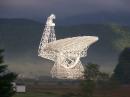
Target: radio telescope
[(66, 53)]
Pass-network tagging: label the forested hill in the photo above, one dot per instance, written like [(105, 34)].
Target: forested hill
[(23, 29), (21, 37)]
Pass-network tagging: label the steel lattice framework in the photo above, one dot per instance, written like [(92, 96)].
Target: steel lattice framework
[(66, 53)]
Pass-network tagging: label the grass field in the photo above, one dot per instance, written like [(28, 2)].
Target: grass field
[(32, 94), (71, 91)]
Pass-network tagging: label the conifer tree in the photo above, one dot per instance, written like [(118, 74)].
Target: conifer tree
[(6, 79), (122, 70)]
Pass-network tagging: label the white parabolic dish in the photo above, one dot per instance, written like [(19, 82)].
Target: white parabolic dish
[(66, 53)]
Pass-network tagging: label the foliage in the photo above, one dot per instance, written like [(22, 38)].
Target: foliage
[(95, 79), (103, 76), (122, 39), (91, 76), (6, 79), (91, 71), (122, 70)]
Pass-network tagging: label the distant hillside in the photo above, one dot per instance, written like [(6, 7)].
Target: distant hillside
[(20, 38), (98, 18)]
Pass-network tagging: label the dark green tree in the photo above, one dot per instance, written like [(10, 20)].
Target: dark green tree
[(91, 76), (103, 76), (95, 79), (6, 79), (122, 70), (92, 71)]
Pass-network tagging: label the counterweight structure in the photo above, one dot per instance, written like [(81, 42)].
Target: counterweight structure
[(66, 53)]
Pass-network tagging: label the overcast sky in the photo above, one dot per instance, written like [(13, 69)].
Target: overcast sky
[(37, 9)]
